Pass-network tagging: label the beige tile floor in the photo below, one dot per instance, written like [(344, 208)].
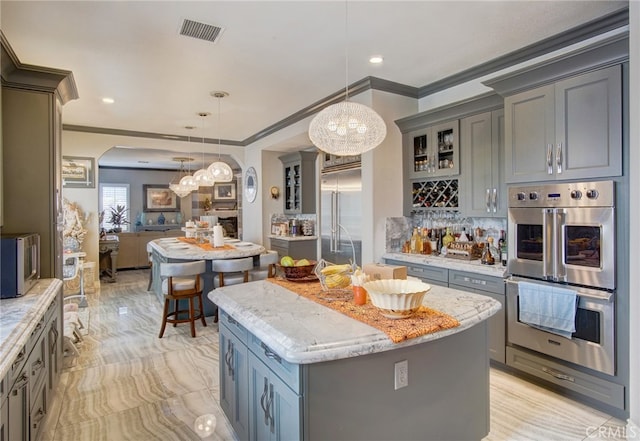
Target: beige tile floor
[(127, 384)]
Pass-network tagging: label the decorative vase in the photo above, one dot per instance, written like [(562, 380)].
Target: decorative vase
[(161, 219)]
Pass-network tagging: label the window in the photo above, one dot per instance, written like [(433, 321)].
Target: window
[(112, 195)]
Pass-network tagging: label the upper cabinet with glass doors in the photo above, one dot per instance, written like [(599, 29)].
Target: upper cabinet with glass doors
[(433, 151)]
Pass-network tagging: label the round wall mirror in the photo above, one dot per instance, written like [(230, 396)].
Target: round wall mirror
[(251, 184)]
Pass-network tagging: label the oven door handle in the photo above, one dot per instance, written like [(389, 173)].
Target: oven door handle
[(559, 269), (593, 294), (548, 243)]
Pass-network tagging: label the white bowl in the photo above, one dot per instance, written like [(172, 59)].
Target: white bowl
[(397, 298)]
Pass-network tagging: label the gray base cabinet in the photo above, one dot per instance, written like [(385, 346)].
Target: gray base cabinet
[(344, 399), (33, 377), (297, 249), (493, 287)]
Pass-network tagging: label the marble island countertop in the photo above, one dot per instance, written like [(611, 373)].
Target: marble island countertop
[(19, 317), (302, 331), (473, 266), (175, 249)]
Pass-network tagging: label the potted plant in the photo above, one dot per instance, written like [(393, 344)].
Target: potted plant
[(118, 218)]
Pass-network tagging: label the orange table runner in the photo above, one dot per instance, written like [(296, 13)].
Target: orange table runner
[(425, 321), (206, 246)]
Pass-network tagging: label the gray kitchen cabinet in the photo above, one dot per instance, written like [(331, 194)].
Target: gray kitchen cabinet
[(259, 392), (492, 287), (297, 249), (132, 251), (571, 129), (32, 100), (234, 374), (299, 182), (472, 282), (483, 192), (433, 152), (4, 418), (275, 410)]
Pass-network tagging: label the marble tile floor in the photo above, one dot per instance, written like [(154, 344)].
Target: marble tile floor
[(127, 384)]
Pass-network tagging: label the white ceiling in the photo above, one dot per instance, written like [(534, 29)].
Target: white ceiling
[(274, 58)]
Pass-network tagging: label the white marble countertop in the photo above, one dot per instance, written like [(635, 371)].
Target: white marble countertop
[(472, 266), (302, 331), (293, 238), (19, 316), (175, 249)]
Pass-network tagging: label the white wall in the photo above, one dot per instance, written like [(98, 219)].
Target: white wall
[(634, 264)]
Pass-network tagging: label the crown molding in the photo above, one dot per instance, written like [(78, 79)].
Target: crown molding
[(26, 76)]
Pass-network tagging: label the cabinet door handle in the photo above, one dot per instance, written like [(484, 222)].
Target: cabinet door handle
[(487, 200), (231, 320), (270, 354), (19, 358), (549, 159), (494, 200), (559, 157), (263, 403), (228, 358), (270, 408), (21, 383), (37, 366)]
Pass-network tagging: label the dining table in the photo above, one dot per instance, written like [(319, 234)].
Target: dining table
[(188, 249)]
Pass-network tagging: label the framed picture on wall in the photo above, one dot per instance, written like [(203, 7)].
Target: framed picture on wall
[(157, 198), (224, 191), (78, 172)]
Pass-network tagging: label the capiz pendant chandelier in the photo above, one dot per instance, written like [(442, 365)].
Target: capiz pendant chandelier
[(177, 187), (347, 128), (203, 177), (220, 171)]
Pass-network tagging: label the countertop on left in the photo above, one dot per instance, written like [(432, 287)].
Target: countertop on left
[(19, 316)]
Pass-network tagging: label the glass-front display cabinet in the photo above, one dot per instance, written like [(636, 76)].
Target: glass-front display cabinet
[(434, 151)]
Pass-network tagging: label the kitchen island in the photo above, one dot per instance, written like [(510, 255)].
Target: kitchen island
[(173, 249), (291, 368)]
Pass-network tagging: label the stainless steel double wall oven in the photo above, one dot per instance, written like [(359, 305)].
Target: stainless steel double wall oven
[(564, 233)]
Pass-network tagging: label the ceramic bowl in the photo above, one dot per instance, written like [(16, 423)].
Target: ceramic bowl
[(397, 298), (298, 272)]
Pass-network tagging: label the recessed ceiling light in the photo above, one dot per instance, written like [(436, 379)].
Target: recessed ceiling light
[(107, 100), (376, 59)]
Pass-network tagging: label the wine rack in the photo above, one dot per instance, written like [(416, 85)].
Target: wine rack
[(435, 194)]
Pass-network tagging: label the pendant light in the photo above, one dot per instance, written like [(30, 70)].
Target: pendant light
[(188, 183), (203, 177), (220, 171), (347, 128), (175, 186)]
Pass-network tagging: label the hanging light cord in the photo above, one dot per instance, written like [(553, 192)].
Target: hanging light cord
[(219, 131), (346, 50)]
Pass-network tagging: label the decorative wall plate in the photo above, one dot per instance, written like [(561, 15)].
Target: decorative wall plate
[(251, 184)]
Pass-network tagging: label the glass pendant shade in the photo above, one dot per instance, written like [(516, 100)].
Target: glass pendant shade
[(204, 178), (347, 128), (221, 171), (188, 182), (179, 190)]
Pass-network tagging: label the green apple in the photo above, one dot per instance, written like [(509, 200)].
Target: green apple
[(302, 262), (286, 261)]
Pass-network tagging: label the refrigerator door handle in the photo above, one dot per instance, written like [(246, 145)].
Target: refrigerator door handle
[(334, 220)]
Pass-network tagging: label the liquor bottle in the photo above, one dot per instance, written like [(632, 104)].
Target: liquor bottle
[(426, 242), (487, 258), (448, 238), (503, 253), (415, 237)]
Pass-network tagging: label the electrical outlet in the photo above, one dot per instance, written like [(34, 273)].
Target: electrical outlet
[(401, 374)]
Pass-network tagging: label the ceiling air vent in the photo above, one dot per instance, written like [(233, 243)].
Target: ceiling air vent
[(199, 30)]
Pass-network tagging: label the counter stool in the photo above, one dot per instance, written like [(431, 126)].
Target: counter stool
[(181, 281), (267, 268), (230, 272)]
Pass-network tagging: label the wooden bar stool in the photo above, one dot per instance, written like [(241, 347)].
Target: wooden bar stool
[(267, 268), (181, 281), (230, 272)]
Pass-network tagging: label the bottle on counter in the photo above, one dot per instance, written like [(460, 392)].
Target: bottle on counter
[(503, 253), (426, 242), (414, 239), (487, 258), (448, 238)]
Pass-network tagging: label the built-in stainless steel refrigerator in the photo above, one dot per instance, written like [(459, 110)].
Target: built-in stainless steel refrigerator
[(341, 215)]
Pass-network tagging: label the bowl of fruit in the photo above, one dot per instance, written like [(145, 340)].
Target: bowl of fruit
[(296, 269)]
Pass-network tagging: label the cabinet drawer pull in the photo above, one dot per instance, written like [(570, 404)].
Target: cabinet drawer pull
[(21, 383), (269, 409), (558, 375), (269, 353), (231, 320), (19, 358), (263, 403)]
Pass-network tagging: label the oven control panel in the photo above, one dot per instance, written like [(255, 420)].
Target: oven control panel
[(571, 194)]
